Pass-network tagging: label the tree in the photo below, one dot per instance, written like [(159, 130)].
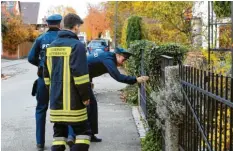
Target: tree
[(163, 21), (15, 34), (95, 22), (124, 11), (133, 29), (62, 10)]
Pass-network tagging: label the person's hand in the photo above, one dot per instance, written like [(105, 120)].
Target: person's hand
[(87, 102), (142, 79)]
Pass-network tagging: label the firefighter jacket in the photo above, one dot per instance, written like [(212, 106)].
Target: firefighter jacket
[(36, 55), (66, 73), (105, 62)]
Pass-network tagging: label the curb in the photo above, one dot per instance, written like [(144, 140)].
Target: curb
[(139, 121)]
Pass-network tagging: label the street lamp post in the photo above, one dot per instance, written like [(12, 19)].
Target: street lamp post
[(232, 39)]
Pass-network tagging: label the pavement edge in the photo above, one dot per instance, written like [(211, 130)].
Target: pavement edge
[(140, 121)]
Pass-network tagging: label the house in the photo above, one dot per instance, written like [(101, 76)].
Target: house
[(200, 26), (12, 7), (29, 12)]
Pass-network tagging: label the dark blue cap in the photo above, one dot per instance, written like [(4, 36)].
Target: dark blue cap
[(54, 19), (123, 52)]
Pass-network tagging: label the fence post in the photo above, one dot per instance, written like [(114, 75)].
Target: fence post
[(166, 61), (171, 128), (169, 74)]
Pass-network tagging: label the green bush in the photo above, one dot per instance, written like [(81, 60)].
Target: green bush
[(131, 94), (152, 141), (152, 58), (151, 61), (133, 29), (222, 8)]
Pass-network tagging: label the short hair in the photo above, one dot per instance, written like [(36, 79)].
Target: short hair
[(71, 20)]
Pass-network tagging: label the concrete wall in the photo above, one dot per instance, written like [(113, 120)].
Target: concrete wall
[(169, 108)]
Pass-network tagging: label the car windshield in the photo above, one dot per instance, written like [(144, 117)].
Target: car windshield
[(97, 43)]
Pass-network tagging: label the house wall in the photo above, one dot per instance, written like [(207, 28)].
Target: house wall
[(200, 12), (10, 6), (200, 24)]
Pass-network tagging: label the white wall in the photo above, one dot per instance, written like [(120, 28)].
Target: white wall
[(200, 10)]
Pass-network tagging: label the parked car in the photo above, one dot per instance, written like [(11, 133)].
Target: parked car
[(97, 45)]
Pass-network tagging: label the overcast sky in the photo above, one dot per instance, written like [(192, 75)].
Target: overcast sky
[(79, 5)]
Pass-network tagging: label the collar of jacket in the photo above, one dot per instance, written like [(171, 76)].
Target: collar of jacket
[(67, 34), (53, 29)]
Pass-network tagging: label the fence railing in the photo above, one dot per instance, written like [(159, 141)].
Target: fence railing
[(208, 100), (208, 121), (142, 93)]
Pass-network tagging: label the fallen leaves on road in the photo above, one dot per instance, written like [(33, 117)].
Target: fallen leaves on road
[(4, 77), (123, 97)]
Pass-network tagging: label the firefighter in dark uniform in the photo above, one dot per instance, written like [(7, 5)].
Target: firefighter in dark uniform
[(36, 57), (100, 63), (66, 76)]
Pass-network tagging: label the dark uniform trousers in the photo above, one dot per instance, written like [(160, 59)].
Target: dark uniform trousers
[(42, 97), (93, 113), (92, 110), (82, 140)]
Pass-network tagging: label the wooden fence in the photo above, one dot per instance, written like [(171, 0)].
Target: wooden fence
[(22, 52)]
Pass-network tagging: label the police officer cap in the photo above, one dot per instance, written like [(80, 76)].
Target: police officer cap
[(54, 19), (123, 52)]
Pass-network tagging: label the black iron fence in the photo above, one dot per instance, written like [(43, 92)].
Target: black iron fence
[(160, 78), (208, 99), (208, 121), (143, 103)]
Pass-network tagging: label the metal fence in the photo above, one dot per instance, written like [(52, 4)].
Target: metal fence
[(160, 77), (208, 121), (165, 61), (143, 103)]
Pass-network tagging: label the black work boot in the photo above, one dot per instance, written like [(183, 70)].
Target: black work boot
[(95, 139), (40, 147)]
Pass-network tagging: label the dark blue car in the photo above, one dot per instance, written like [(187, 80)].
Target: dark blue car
[(97, 45)]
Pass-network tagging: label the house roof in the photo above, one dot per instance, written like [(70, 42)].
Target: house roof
[(29, 12)]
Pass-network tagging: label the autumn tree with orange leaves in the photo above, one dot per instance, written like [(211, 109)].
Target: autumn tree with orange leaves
[(15, 32), (95, 22)]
